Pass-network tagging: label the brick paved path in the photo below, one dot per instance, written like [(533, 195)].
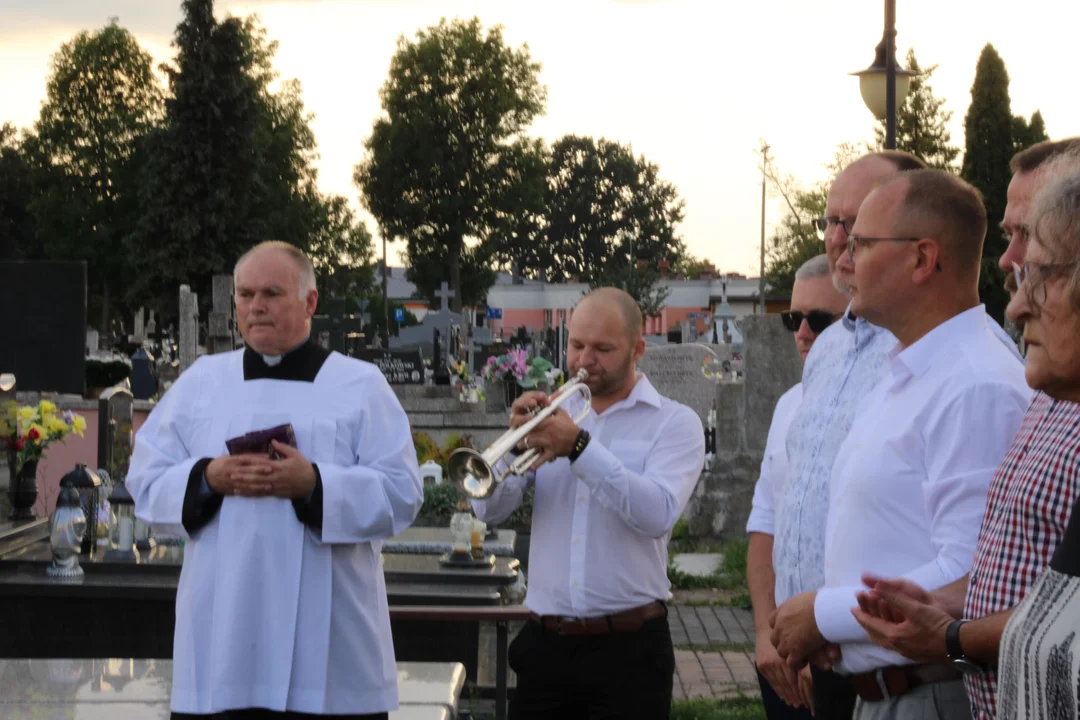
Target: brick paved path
[(711, 668)]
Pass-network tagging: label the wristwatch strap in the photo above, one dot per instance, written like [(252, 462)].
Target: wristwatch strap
[(952, 640)]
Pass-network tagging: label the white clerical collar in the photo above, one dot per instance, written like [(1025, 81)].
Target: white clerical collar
[(275, 360)]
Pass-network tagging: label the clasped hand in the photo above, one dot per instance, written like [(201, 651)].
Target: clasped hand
[(554, 436), (258, 476)]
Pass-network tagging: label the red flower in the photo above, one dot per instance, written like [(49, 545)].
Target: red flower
[(33, 434), (20, 444)]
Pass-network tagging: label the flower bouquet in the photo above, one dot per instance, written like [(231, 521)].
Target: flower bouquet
[(518, 372), (468, 388), (25, 433)]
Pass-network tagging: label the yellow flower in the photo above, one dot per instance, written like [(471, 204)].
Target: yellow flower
[(26, 413), (5, 429), (79, 425), (47, 407), (43, 434), (57, 425)]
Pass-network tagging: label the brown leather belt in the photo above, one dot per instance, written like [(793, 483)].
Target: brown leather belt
[(894, 681), (626, 621)]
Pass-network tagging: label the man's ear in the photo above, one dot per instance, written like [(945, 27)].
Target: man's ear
[(927, 260), (639, 348), (311, 302)]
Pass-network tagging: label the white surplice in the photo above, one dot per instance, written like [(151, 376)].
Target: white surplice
[(270, 612)]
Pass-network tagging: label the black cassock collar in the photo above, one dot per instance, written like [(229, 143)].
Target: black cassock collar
[(300, 365)]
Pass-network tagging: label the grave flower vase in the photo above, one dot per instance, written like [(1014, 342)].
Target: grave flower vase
[(24, 492)]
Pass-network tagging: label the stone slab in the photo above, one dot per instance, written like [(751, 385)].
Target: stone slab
[(437, 540), (698, 564), (676, 373)]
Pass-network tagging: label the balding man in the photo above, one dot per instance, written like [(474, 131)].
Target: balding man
[(909, 485), (815, 305), (608, 493), (281, 609)]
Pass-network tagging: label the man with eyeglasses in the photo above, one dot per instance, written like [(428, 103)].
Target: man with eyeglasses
[(909, 484), (847, 359), (1027, 510), (815, 305)]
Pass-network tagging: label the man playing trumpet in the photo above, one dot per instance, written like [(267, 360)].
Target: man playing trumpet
[(608, 492)]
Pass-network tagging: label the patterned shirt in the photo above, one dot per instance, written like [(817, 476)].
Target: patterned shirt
[(1027, 511), (846, 362)]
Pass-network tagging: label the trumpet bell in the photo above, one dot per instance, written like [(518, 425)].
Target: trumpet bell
[(471, 472)]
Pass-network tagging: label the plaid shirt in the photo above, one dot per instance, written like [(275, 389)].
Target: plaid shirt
[(1031, 498)]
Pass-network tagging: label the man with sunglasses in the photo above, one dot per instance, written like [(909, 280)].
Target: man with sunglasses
[(909, 484), (815, 304), (1027, 510)]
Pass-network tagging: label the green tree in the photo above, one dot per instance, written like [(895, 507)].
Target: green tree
[(1026, 134), (233, 164), (607, 209), (641, 282), (342, 251), (993, 135), (690, 267), (101, 99), (446, 162), (17, 235), (921, 122)]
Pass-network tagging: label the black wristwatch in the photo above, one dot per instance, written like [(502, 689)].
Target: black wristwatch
[(956, 653)]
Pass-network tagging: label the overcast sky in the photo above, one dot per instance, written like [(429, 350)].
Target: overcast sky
[(691, 84)]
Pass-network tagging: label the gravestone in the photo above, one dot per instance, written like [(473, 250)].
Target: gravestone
[(677, 372), (44, 342), (189, 327), (138, 333), (419, 336), (399, 367), (339, 329), (116, 433), (221, 336), (93, 341), (151, 325)]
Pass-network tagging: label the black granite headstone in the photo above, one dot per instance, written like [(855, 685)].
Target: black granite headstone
[(43, 324), (399, 367)]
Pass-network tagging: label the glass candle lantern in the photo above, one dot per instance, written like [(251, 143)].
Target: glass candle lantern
[(66, 529), (123, 505)]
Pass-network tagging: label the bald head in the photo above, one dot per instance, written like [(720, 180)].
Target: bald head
[(621, 301), (305, 270)]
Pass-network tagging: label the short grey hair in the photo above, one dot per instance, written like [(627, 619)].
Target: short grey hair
[(301, 260), (815, 267), (1055, 226)]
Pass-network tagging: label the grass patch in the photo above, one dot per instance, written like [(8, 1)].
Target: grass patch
[(730, 576), (741, 708)]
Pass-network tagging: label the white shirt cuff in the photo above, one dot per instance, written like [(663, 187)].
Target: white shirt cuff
[(832, 612), (594, 464)]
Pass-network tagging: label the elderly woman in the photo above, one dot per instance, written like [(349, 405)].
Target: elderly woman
[(1029, 507), (1039, 661)]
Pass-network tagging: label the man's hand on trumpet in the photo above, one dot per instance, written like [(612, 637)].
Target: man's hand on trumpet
[(555, 435)]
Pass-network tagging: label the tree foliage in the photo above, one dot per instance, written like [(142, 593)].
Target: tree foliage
[(604, 209), (993, 135), (232, 165), (447, 165), (921, 122), (101, 99), (17, 234), (794, 240), (641, 282)]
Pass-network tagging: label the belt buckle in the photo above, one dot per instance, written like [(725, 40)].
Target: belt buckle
[(559, 621), (879, 677)]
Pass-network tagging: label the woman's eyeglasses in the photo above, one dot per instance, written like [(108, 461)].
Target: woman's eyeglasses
[(818, 320)]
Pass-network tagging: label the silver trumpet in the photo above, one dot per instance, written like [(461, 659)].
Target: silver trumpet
[(475, 472)]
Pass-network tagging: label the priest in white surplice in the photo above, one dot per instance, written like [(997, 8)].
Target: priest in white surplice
[(281, 605)]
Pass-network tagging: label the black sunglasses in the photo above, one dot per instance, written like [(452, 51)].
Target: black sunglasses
[(818, 320)]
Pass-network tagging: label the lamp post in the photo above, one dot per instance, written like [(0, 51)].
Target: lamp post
[(761, 274), (884, 85)]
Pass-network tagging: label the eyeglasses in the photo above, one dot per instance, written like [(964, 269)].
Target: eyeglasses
[(818, 320), (1040, 273), (822, 224), (862, 241)]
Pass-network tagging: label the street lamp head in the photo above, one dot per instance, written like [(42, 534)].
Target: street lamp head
[(872, 82)]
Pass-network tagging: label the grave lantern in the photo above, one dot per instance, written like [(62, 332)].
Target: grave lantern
[(66, 530), (123, 529), (88, 485)]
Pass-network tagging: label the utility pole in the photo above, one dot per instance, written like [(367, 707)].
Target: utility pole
[(764, 175), (385, 304), (890, 74)]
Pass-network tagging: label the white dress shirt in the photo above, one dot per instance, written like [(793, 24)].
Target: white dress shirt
[(600, 526), (774, 465), (908, 490)]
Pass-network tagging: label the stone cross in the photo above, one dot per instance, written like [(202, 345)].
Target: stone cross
[(93, 341), (189, 327), (444, 294), (221, 336)]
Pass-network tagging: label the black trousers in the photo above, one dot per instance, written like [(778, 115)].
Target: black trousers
[(261, 714), (834, 695), (616, 676), (775, 707)]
